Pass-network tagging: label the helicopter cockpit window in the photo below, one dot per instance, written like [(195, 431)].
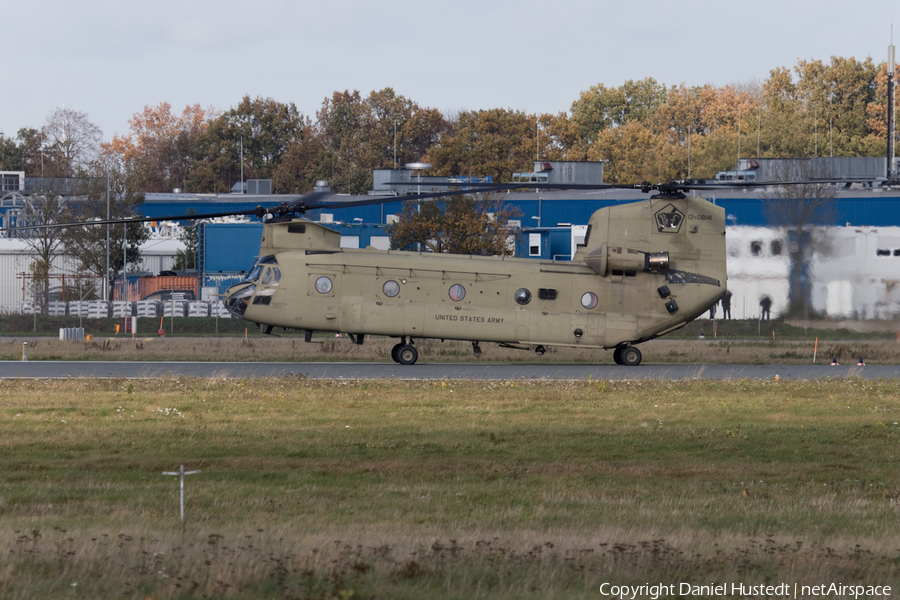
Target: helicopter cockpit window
[(589, 300), (323, 285), (272, 276), (457, 292), (390, 288), (523, 296), (254, 273)]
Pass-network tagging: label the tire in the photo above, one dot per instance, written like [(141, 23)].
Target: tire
[(407, 355), (617, 355), (631, 356), (395, 352)]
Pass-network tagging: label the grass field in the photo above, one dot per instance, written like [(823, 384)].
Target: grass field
[(453, 489)]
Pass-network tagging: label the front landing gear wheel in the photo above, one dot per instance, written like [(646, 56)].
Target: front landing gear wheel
[(407, 355), (630, 356), (395, 350)]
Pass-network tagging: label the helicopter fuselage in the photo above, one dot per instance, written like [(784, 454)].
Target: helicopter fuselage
[(645, 269)]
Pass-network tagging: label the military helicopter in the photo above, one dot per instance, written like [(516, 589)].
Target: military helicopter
[(645, 269)]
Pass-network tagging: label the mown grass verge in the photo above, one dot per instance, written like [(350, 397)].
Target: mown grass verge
[(453, 489)]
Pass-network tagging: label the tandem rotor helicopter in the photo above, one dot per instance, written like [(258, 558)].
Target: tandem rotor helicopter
[(645, 269)]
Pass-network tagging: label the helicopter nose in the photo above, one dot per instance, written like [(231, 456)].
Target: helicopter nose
[(237, 299)]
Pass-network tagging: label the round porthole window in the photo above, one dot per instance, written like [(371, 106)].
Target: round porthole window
[(523, 296), (589, 300), (323, 285), (390, 288), (457, 292)]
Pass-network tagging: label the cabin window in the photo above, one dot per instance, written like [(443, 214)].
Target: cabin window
[(523, 296), (589, 300), (457, 292), (390, 288), (756, 248), (323, 285), (882, 252), (776, 247)]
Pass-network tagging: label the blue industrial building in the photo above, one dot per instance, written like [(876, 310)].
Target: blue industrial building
[(545, 221)]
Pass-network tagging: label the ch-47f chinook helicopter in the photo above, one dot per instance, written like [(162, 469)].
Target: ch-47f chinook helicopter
[(645, 269)]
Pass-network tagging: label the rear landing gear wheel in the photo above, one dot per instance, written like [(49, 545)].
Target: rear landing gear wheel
[(630, 356), (617, 354), (407, 355), (395, 350)]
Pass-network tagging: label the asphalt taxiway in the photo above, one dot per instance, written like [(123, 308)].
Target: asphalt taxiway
[(426, 371)]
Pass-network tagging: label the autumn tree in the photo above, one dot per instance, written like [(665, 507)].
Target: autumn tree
[(301, 165), (836, 96), (626, 151), (457, 225), (158, 152), (876, 113)]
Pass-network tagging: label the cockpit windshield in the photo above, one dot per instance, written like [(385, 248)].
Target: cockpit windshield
[(254, 273), (258, 267), (272, 276)]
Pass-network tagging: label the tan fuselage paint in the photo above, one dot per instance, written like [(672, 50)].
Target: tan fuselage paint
[(610, 265)]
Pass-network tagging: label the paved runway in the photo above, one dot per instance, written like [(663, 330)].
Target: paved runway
[(361, 370)]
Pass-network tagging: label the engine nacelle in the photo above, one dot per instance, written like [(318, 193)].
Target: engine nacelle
[(605, 259)]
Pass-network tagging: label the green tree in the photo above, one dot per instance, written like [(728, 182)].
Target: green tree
[(10, 154), (88, 243), (494, 142), (361, 134), (262, 128), (456, 225), (600, 108), (837, 95), (190, 235)]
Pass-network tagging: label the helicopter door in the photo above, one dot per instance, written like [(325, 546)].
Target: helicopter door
[(592, 327), (414, 319)]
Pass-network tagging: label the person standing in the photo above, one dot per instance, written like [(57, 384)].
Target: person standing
[(766, 305), (726, 305)]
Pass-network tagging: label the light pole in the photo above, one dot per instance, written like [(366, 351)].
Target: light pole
[(890, 118), (418, 166)]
